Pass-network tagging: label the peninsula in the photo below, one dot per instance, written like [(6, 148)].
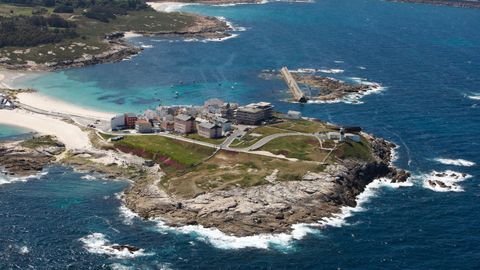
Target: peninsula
[(50, 35), (242, 169)]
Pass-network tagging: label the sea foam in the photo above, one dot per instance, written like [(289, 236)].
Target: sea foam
[(4, 179), (98, 243), (449, 178), (281, 241), (455, 162)]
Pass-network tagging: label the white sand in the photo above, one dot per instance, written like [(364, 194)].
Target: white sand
[(45, 103), (167, 6), (72, 136)]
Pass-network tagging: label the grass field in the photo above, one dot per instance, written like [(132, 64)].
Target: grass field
[(230, 169), (254, 136), (304, 126), (360, 151), (299, 147), (172, 154), (42, 141), (197, 137)]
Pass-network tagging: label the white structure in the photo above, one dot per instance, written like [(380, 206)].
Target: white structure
[(294, 114), (150, 114), (342, 134), (117, 121), (354, 137), (333, 135)]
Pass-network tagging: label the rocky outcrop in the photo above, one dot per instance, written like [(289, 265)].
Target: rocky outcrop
[(269, 208), (23, 161), (450, 3)]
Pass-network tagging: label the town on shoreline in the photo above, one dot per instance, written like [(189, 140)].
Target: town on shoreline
[(242, 169)]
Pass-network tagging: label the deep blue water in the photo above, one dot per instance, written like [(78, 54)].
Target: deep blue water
[(428, 59)]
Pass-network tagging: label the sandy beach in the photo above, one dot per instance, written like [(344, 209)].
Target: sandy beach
[(46, 103), (72, 136), (167, 6)]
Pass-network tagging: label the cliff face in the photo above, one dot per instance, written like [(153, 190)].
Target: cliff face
[(270, 208)]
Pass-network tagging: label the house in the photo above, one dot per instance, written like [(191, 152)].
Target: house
[(224, 123), (255, 113), (130, 119), (294, 115), (5, 103), (143, 126), (209, 130), (184, 124), (117, 122), (333, 135)]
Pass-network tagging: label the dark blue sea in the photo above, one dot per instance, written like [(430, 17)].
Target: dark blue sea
[(427, 58)]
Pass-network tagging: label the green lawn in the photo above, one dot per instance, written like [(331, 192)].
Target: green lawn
[(197, 137), (304, 126), (299, 147), (254, 136), (172, 153), (360, 151)]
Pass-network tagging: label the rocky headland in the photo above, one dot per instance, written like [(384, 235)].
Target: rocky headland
[(450, 3), (272, 207)]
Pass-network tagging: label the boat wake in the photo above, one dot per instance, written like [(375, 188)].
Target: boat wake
[(97, 243)]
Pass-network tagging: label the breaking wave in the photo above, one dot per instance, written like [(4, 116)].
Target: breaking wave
[(446, 181), (97, 243), (455, 162), (5, 179), (281, 241)]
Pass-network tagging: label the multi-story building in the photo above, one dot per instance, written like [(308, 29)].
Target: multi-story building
[(255, 113), (143, 126), (209, 130), (130, 119), (117, 122), (184, 124)]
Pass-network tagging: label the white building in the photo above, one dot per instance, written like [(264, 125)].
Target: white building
[(294, 114), (117, 121), (143, 126), (224, 123)]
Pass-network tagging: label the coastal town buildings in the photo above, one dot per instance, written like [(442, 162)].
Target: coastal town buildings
[(130, 119), (143, 126), (255, 113), (117, 122), (209, 130), (224, 123), (184, 124), (6, 103)]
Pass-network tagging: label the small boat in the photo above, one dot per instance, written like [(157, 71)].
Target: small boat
[(177, 94)]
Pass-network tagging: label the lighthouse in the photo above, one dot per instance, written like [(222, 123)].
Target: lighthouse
[(342, 134)]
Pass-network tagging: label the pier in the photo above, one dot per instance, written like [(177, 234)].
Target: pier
[(298, 94)]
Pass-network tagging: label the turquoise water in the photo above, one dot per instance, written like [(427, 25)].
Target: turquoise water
[(426, 57), (10, 132)]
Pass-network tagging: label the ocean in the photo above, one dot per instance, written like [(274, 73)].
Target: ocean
[(425, 57)]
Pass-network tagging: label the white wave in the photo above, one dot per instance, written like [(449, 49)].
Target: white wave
[(119, 266), (5, 179), (331, 71), (282, 240), (304, 70), (339, 62), (97, 243), (456, 162), (446, 181), (474, 97), (23, 250), (88, 177), (340, 219), (362, 68), (231, 25), (221, 240), (146, 46), (127, 214)]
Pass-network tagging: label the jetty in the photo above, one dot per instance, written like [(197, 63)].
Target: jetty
[(297, 93)]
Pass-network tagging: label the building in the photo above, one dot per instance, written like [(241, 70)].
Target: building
[(224, 123), (209, 130), (184, 124), (143, 126), (117, 122), (294, 115), (333, 135), (5, 103), (130, 119), (255, 113)]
